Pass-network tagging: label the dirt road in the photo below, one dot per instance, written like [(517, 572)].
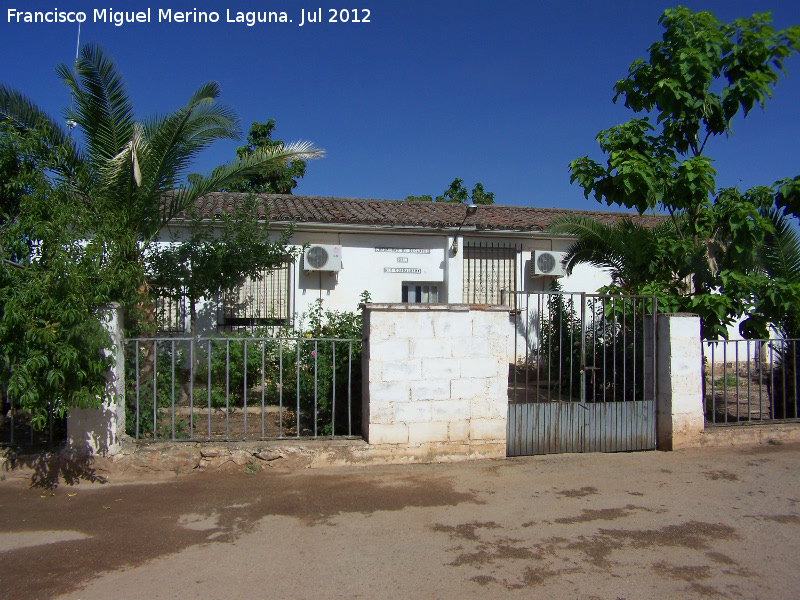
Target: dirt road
[(710, 523)]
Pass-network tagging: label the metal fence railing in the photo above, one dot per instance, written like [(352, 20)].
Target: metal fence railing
[(234, 388), (751, 381), (577, 347), (16, 430)]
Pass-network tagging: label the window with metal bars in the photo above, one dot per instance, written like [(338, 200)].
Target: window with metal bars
[(424, 293), (170, 313), (261, 301), (490, 269)]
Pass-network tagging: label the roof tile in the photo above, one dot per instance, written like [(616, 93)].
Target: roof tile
[(403, 213)]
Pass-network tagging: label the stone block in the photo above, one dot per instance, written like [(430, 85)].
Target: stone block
[(381, 328), (467, 389), (414, 323), (382, 413), (485, 324), (390, 391), (395, 433), (497, 390), (401, 370), (430, 389), (470, 347), (396, 349), (487, 429), (412, 412), (423, 347), (450, 410), (483, 408), (452, 324), (479, 368), (421, 433), (458, 431), (440, 368)]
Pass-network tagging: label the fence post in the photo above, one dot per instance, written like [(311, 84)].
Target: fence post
[(98, 431), (679, 400)]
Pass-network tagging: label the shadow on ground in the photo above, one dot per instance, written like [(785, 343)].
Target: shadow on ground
[(50, 469)]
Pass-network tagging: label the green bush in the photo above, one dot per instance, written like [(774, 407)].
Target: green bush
[(229, 369), (328, 372)]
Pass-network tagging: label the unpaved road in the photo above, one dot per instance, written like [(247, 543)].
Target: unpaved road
[(706, 523)]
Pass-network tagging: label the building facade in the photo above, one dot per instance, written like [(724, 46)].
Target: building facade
[(395, 251)]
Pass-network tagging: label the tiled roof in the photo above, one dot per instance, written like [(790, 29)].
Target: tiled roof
[(401, 213)]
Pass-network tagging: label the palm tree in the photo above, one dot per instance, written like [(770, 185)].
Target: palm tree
[(780, 259), (626, 248), (130, 174)]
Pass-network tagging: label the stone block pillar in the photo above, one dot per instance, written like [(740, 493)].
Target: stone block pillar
[(679, 403), (436, 381), (98, 431)]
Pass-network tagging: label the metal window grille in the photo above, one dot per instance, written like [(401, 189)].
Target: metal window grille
[(259, 301), (170, 313), (490, 269)]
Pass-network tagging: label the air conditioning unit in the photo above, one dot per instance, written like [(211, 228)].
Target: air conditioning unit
[(547, 263), (318, 257)]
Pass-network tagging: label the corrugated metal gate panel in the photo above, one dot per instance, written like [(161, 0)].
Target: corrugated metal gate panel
[(562, 427), (615, 411)]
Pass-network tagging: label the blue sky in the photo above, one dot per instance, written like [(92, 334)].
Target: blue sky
[(505, 92)]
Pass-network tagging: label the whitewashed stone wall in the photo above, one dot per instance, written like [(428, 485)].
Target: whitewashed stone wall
[(436, 380), (99, 431), (679, 404)]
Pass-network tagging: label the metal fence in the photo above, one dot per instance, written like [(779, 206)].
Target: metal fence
[(747, 381), (576, 347), (585, 382), (16, 430), (236, 388)]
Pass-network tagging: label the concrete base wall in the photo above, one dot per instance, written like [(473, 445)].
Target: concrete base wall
[(679, 403), (435, 381), (751, 435), (99, 431)]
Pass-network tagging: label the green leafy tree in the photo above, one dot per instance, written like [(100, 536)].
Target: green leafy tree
[(699, 77), (116, 183), (280, 179), (458, 193), (217, 256), (52, 285)]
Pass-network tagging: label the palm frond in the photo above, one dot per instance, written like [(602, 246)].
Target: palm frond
[(780, 254), (208, 92), (264, 160), (21, 113), (176, 139), (625, 248), (102, 107), (591, 245)]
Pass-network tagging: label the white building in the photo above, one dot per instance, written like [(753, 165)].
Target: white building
[(397, 251)]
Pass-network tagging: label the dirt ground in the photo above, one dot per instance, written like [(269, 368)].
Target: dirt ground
[(705, 523)]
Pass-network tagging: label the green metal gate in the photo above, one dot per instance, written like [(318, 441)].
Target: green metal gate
[(583, 375)]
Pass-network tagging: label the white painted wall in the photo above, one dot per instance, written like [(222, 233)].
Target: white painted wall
[(369, 255)]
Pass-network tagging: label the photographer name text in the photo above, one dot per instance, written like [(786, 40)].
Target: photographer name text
[(120, 18)]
